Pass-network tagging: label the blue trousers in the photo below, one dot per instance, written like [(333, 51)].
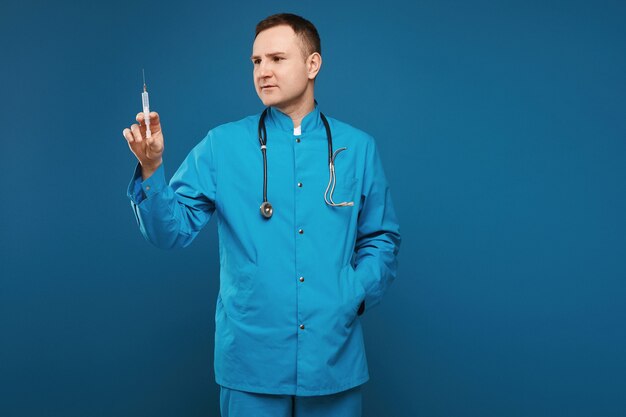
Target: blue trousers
[(234, 403)]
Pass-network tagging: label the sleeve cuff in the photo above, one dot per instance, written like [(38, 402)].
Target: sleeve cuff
[(139, 190)]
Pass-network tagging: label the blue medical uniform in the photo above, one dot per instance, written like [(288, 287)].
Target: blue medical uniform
[(235, 403), (292, 287)]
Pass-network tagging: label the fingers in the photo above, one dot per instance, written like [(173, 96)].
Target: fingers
[(136, 132), (154, 118), (133, 134)]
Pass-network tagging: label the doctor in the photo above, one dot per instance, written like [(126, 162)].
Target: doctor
[(294, 279)]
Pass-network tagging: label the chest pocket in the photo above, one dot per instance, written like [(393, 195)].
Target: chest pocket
[(345, 190)]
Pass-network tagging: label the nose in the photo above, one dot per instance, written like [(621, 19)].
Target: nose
[(264, 70)]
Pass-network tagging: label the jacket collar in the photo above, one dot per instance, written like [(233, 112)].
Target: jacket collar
[(312, 121)]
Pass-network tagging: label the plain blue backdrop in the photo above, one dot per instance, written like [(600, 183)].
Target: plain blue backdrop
[(502, 131)]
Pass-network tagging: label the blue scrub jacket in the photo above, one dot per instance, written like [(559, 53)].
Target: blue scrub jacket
[(292, 288)]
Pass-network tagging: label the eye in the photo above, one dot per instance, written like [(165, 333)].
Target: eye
[(277, 58)]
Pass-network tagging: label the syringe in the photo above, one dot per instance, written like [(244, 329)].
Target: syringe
[(146, 106)]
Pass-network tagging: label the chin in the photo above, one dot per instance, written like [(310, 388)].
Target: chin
[(269, 101)]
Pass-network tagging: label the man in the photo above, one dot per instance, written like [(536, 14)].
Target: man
[(307, 238)]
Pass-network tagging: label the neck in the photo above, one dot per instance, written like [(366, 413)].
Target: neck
[(298, 110)]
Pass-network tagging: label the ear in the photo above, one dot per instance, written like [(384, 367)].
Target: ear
[(313, 65)]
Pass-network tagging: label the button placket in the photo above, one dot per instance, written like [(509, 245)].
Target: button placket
[(301, 301)]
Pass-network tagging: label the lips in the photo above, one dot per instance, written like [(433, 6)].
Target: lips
[(267, 86)]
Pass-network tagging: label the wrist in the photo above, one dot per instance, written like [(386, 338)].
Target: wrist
[(148, 169)]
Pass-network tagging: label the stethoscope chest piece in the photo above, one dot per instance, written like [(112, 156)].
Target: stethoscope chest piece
[(267, 210)]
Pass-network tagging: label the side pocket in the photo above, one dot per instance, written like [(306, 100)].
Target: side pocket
[(361, 307), (237, 288), (357, 291)]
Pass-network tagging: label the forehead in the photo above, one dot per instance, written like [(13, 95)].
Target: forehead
[(277, 38)]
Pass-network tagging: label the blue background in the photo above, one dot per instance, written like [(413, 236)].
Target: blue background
[(502, 131)]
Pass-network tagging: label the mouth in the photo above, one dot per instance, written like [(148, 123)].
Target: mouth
[(265, 87)]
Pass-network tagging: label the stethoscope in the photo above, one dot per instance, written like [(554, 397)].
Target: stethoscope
[(266, 208)]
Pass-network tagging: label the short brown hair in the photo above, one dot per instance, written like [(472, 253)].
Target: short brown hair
[(304, 29)]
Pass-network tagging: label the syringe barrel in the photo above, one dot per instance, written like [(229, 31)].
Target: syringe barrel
[(144, 100), (146, 112)]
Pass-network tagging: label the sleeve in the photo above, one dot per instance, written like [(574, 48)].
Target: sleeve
[(378, 233), (171, 216)]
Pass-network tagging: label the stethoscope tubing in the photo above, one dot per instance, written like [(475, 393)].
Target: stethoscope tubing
[(266, 208)]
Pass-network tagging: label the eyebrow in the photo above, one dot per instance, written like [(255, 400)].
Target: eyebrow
[(271, 54)]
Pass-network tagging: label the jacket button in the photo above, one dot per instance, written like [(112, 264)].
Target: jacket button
[(299, 184), (300, 231), (302, 327), (297, 140), (301, 279)]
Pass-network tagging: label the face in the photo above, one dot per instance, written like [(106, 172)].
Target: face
[(282, 76)]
